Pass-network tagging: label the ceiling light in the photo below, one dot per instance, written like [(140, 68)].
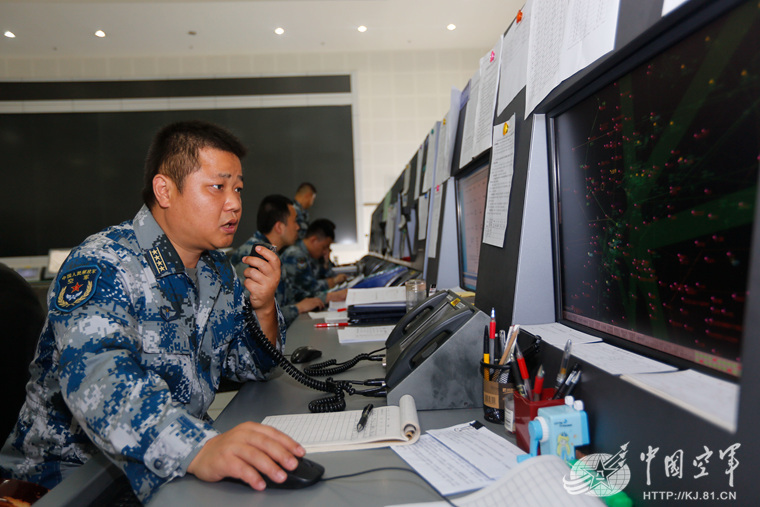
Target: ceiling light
[(279, 30), (100, 33), (362, 29), (10, 34), (451, 26)]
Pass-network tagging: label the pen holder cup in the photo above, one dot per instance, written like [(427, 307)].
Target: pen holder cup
[(496, 386), (526, 411)]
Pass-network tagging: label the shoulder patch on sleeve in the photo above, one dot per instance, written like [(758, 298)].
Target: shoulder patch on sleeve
[(74, 288)]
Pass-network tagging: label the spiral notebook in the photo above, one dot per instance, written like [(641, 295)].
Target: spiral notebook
[(336, 431)]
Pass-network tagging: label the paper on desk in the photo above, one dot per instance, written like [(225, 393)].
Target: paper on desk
[(557, 334), (330, 316), (617, 361), (478, 455), (485, 450), (537, 482), (441, 467), (710, 398), (376, 295), (361, 334)]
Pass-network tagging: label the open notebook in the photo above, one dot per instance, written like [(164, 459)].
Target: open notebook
[(336, 431)]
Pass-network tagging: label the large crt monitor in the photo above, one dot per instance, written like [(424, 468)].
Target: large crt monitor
[(655, 185), (471, 191)]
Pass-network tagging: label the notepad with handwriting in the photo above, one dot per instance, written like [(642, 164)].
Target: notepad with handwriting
[(336, 431)]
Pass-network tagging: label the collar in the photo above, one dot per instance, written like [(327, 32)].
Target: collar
[(158, 251)]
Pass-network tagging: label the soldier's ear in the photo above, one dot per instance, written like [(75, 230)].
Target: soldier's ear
[(163, 189)]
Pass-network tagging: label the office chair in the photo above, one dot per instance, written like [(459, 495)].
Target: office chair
[(21, 320)]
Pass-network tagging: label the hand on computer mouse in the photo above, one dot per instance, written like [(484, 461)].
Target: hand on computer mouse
[(251, 452)]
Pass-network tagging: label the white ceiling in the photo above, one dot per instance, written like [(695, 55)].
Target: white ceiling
[(65, 28)]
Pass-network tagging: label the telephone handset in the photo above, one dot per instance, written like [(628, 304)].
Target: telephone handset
[(334, 403), (416, 317), (426, 331)]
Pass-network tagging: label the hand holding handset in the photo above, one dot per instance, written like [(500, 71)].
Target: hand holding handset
[(254, 253), (328, 404)]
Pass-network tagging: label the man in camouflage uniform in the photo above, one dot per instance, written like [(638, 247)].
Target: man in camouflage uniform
[(301, 265), (306, 194), (144, 318), (276, 216)]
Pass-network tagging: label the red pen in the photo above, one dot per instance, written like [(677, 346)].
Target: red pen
[(492, 337), (539, 384), (523, 371), (331, 324)]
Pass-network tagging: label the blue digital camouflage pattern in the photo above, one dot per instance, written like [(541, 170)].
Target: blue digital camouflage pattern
[(129, 360), (287, 305), (302, 217), (301, 271)]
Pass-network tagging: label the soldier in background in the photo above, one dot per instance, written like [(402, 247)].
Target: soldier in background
[(276, 224), (144, 319), (302, 264), (306, 194)]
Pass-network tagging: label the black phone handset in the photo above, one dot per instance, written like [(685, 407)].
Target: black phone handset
[(334, 403), (416, 316)]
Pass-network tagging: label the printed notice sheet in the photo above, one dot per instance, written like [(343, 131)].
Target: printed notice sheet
[(566, 36), (514, 59), (336, 431), (499, 183), (489, 84)]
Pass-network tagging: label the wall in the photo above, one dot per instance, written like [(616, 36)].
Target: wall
[(399, 96)]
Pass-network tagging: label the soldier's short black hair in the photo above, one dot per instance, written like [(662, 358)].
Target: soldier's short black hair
[(273, 208), (174, 152)]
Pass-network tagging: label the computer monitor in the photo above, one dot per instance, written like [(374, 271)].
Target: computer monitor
[(655, 183), (471, 191), (56, 257)]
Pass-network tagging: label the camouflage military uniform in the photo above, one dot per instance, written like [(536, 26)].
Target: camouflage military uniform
[(301, 273), (289, 310), (302, 217), (130, 358)]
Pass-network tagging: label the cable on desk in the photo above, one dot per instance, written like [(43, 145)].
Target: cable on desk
[(322, 369), (338, 388), (371, 470)]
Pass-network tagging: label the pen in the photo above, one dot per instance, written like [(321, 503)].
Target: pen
[(513, 332), (504, 373), (486, 355), (562, 391), (563, 365), (363, 419), (523, 370), (539, 384), (492, 337), (573, 381), (331, 324)]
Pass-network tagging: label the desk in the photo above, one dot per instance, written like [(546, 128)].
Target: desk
[(283, 395)]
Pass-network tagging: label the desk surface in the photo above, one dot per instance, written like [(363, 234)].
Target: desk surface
[(283, 395)]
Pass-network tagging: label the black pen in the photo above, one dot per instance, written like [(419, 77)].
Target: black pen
[(562, 391), (364, 417)]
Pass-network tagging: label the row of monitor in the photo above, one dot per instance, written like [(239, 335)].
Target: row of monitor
[(653, 183)]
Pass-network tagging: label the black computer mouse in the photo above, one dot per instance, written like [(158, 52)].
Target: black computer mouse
[(306, 473), (305, 354)]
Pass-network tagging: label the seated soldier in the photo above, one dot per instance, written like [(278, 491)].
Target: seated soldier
[(301, 265), (276, 222)]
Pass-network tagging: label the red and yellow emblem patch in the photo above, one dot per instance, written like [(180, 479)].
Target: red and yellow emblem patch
[(75, 287)]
